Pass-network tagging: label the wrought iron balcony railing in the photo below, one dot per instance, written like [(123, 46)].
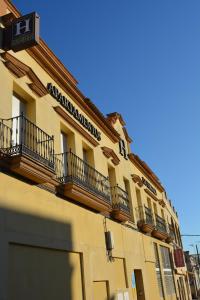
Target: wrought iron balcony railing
[(161, 224), (145, 218), (120, 199), (171, 231), (19, 136), (148, 215), (71, 168)]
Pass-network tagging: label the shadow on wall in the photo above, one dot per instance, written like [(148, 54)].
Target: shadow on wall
[(35, 263)]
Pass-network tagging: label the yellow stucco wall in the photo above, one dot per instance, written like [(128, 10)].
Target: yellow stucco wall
[(52, 248)]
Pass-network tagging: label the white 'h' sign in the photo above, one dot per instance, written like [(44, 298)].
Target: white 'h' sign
[(22, 27)]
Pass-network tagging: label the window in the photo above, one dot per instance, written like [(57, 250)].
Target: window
[(87, 170), (88, 155), (65, 163), (128, 191), (155, 209), (85, 156), (18, 109), (158, 271), (64, 149), (63, 142), (162, 214), (149, 203), (139, 210), (112, 176), (167, 270)]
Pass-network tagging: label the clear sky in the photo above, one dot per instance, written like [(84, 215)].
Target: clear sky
[(140, 58)]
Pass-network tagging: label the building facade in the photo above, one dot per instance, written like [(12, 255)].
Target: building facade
[(192, 263), (81, 216)]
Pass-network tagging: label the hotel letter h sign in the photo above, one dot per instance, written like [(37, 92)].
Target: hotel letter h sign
[(22, 27), (20, 33)]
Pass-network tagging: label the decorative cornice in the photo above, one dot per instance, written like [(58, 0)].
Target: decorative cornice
[(128, 138), (160, 201), (136, 178), (113, 117), (108, 152), (106, 124), (146, 170), (75, 125), (57, 71), (20, 70), (151, 194)]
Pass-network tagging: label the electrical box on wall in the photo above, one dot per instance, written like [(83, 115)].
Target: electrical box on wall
[(109, 240)]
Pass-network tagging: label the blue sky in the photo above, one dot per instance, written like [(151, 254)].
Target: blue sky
[(142, 59)]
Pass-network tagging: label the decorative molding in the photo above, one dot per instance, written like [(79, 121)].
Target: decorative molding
[(159, 234), (127, 137), (105, 124), (113, 117), (151, 194), (108, 152), (144, 168), (162, 202), (20, 70), (59, 73), (30, 169), (15, 70), (75, 125), (120, 215), (136, 178), (79, 194)]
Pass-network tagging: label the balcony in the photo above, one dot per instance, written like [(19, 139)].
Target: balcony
[(27, 150), (145, 219), (120, 204), (160, 231), (171, 235), (82, 183)]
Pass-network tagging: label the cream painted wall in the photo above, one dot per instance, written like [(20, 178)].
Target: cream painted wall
[(32, 217)]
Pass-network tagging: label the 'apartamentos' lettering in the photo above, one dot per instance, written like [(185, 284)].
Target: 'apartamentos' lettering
[(150, 187), (54, 92)]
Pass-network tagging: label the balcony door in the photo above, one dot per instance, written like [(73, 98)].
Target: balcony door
[(64, 149), (18, 108)]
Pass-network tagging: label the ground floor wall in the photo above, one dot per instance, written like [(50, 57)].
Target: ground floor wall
[(51, 249)]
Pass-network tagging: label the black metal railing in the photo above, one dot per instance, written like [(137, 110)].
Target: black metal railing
[(148, 215), (161, 224), (71, 168), (144, 215), (171, 231), (18, 135), (120, 199)]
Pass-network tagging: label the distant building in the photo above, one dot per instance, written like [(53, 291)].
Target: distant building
[(193, 267), (81, 217)]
